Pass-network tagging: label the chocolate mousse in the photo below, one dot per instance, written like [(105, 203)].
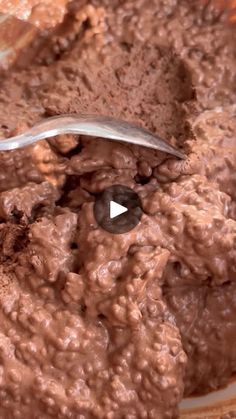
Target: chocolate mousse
[(113, 326)]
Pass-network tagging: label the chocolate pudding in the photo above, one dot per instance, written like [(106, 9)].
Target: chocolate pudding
[(113, 326)]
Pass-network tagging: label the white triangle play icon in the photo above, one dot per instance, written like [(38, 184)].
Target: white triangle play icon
[(116, 209)]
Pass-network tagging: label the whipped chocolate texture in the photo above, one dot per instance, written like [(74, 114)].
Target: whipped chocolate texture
[(43, 13), (96, 325)]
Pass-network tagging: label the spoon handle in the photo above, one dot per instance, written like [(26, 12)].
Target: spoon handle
[(91, 125)]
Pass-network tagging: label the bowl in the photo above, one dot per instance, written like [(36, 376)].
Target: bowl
[(22, 26), (214, 405)]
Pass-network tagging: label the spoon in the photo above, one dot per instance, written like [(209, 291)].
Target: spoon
[(91, 125)]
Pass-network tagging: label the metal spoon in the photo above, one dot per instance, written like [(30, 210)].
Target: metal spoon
[(91, 125)]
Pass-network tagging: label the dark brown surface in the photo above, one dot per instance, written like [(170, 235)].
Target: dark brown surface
[(101, 326)]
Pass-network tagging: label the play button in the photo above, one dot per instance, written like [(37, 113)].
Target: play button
[(118, 209)]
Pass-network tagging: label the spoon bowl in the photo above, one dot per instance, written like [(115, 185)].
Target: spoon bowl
[(91, 125)]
